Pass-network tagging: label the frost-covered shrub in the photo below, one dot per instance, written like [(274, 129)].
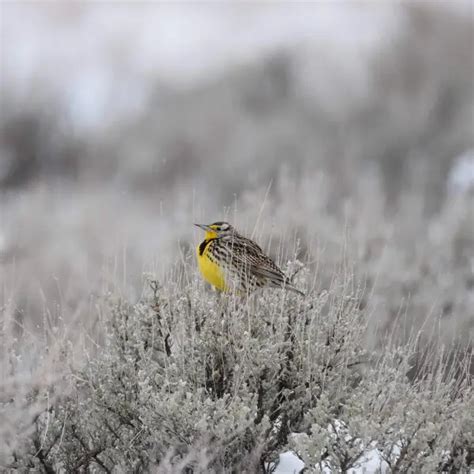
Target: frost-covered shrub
[(413, 426), (188, 380)]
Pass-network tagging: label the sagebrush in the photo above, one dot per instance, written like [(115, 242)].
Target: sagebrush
[(187, 380)]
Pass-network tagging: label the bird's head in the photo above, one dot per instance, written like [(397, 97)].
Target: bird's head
[(217, 230)]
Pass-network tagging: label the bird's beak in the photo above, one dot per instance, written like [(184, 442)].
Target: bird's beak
[(204, 227)]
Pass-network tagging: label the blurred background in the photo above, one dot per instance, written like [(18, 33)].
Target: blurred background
[(329, 129)]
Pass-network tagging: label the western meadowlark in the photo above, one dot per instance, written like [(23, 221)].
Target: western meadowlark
[(228, 260)]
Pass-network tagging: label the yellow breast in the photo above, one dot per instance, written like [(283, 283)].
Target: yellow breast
[(210, 270)]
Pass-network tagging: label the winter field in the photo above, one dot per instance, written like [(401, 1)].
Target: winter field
[(338, 136)]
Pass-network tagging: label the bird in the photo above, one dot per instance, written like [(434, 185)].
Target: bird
[(231, 262)]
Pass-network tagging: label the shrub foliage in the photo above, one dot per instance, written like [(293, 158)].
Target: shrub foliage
[(187, 380)]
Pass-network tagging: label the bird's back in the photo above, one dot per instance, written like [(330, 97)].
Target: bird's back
[(246, 265)]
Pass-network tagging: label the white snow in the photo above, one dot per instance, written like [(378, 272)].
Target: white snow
[(289, 464), (371, 462)]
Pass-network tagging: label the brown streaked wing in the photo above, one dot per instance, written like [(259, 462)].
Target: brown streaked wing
[(249, 254)]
